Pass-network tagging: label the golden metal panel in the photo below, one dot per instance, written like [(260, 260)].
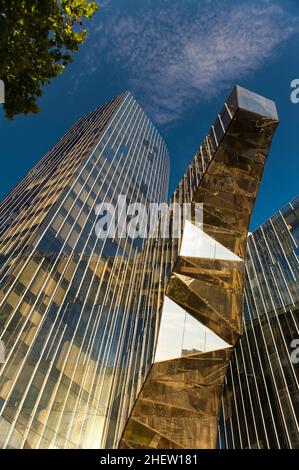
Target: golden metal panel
[(179, 403)]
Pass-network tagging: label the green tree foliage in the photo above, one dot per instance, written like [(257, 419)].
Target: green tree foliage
[(37, 41)]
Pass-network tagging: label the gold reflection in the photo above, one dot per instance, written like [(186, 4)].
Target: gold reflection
[(178, 405), (179, 402)]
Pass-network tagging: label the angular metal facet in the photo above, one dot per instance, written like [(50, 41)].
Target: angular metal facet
[(179, 402)]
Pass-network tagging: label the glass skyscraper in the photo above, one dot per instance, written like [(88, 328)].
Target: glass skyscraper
[(260, 405), (76, 342)]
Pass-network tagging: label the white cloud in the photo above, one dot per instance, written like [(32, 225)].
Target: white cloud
[(179, 52)]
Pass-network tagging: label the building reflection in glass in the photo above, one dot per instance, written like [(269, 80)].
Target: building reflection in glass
[(77, 343)]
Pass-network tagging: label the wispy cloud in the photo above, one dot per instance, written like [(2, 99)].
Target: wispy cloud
[(178, 52)]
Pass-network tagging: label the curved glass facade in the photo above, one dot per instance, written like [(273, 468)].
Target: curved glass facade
[(76, 343)]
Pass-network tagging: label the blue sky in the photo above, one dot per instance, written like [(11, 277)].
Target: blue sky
[(180, 59)]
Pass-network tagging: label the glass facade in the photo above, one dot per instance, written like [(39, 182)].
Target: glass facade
[(203, 282), (77, 343), (260, 405)]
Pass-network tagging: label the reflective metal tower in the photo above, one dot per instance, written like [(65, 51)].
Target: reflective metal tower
[(201, 318)]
